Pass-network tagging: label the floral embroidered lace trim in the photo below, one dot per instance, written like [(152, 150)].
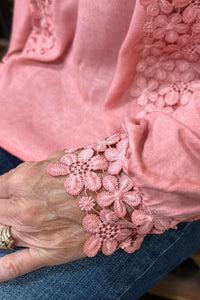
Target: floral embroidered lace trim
[(167, 73), (42, 37), (115, 214)]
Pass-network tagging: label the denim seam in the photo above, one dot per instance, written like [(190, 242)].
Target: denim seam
[(156, 260)]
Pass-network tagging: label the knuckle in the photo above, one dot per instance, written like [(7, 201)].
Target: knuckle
[(26, 213)]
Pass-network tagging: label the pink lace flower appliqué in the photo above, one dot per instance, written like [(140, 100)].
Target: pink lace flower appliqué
[(159, 106), (155, 6), (196, 28), (169, 27), (187, 48), (180, 88), (42, 37), (101, 146), (80, 169), (143, 224), (150, 47), (109, 211), (172, 27), (182, 3), (189, 51), (86, 203), (118, 157), (119, 193), (148, 28), (145, 90), (157, 67), (142, 221), (107, 232), (191, 11)]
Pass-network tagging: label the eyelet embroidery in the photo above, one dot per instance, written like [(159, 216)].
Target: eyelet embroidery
[(42, 38), (171, 39), (115, 214)]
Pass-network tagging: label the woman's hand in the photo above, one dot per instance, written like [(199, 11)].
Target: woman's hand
[(43, 218)]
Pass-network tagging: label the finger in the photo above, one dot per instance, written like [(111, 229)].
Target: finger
[(18, 238), (4, 191), (21, 262)]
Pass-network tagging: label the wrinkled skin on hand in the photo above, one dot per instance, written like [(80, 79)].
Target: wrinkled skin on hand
[(43, 218)]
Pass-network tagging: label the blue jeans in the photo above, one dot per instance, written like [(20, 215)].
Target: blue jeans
[(119, 276)]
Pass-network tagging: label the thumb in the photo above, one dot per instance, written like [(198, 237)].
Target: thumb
[(20, 262)]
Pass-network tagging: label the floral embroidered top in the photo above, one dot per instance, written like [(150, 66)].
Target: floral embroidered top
[(79, 72)]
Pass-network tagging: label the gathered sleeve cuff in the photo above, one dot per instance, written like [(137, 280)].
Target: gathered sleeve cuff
[(144, 180)]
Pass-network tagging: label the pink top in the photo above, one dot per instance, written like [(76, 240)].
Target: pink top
[(78, 71)]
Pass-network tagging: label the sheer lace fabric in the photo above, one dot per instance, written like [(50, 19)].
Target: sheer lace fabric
[(166, 76), (42, 37), (115, 214)]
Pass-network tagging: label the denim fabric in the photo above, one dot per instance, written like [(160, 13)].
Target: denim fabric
[(7, 161), (120, 276)]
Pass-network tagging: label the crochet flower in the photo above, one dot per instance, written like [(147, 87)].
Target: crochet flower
[(143, 223), (101, 146), (118, 157), (159, 106), (150, 46), (42, 37), (86, 203), (155, 6), (191, 51), (148, 28), (107, 232), (169, 27), (154, 66), (145, 90), (186, 48), (182, 3), (119, 193), (80, 170), (180, 88), (196, 28), (192, 10)]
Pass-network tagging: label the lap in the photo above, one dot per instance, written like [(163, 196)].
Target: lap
[(7, 161), (119, 276)]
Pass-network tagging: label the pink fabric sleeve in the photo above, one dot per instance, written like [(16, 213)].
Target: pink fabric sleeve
[(72, 60), (88, 65), (165, 161), (144, 180)]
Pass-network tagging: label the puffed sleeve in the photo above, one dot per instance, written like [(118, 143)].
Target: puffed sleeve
[(141, 181), (165, 161), (145, 178)]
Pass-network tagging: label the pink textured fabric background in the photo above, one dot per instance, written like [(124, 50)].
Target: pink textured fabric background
[(77, 93)]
